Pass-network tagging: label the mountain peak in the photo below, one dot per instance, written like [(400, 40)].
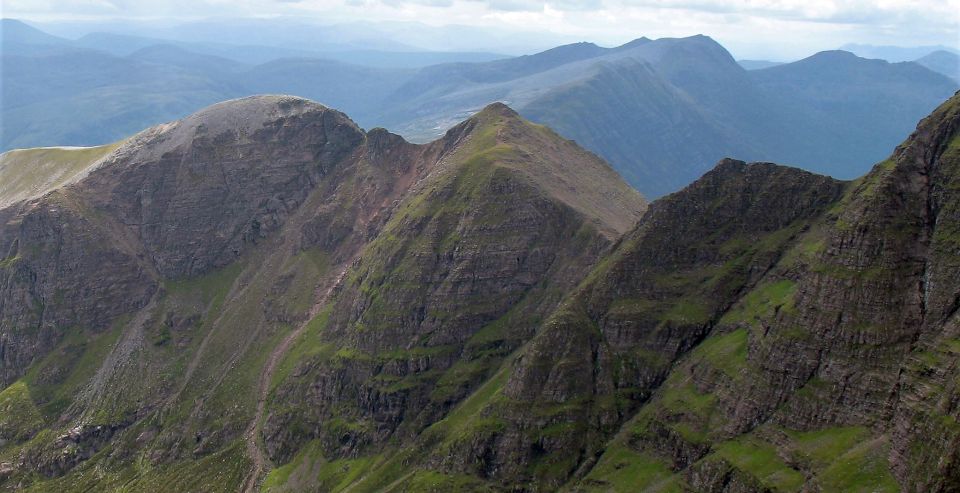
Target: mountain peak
[(503, 139), (242, 113), (237, 117), (496, 109), (632, 44), (834, 55), (15, 31), (933, 136)]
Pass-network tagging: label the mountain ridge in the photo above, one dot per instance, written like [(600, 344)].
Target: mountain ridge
[(754, 115), (264, 295), (223, 228)]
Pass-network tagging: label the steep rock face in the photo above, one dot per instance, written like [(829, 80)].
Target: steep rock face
[(130, 296), (833, 371), (763, 330), (612, 343), (925, 437), (201, 189), (62, 270), (861, 305), (175, 201), (459, 277)]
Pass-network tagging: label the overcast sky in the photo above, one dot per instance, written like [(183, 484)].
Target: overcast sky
[(777, 29)]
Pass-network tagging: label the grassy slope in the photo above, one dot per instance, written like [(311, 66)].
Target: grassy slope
[(557, 166), (31, 173)]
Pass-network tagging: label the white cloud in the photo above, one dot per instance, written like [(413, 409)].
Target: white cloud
[(751, 28)]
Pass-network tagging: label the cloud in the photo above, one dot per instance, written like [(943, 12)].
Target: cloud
[(538, 5), (774, 28), (425, 3)]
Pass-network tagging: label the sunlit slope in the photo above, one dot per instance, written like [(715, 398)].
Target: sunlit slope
[(30, 173)]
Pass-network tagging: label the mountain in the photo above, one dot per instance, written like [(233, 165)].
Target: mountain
[(264, 296), (820, 360), (670, 107), (837, 90), (86, 97), (244, 52), (282, 32), (17, 36), (124, 45), (175, 56), (298, 32), (337, 84), (21, 38), (112, 85), (894, 53), (944, 62), (212, 250), (661, 110)]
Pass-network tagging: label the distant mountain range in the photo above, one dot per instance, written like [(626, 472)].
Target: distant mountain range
[(306, 33), (895, 53), (945, 62), (937, 58), (942, 59), (660, 111)]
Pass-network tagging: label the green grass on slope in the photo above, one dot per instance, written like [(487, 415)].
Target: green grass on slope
[(51, 385), (55, 380), (458, 199), (19, 416), (762, 302), (726, 352), (197, 306), (840, 459), (194, 304), (822, 447), (760, 460), (301, 473), (468, 418), (847, 459), (306, 348), (399, 471), (219, 472), (438, 482), (30, 173), (623, 470), (559, 167)]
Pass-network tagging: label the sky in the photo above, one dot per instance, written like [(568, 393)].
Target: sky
[(763, 29)]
